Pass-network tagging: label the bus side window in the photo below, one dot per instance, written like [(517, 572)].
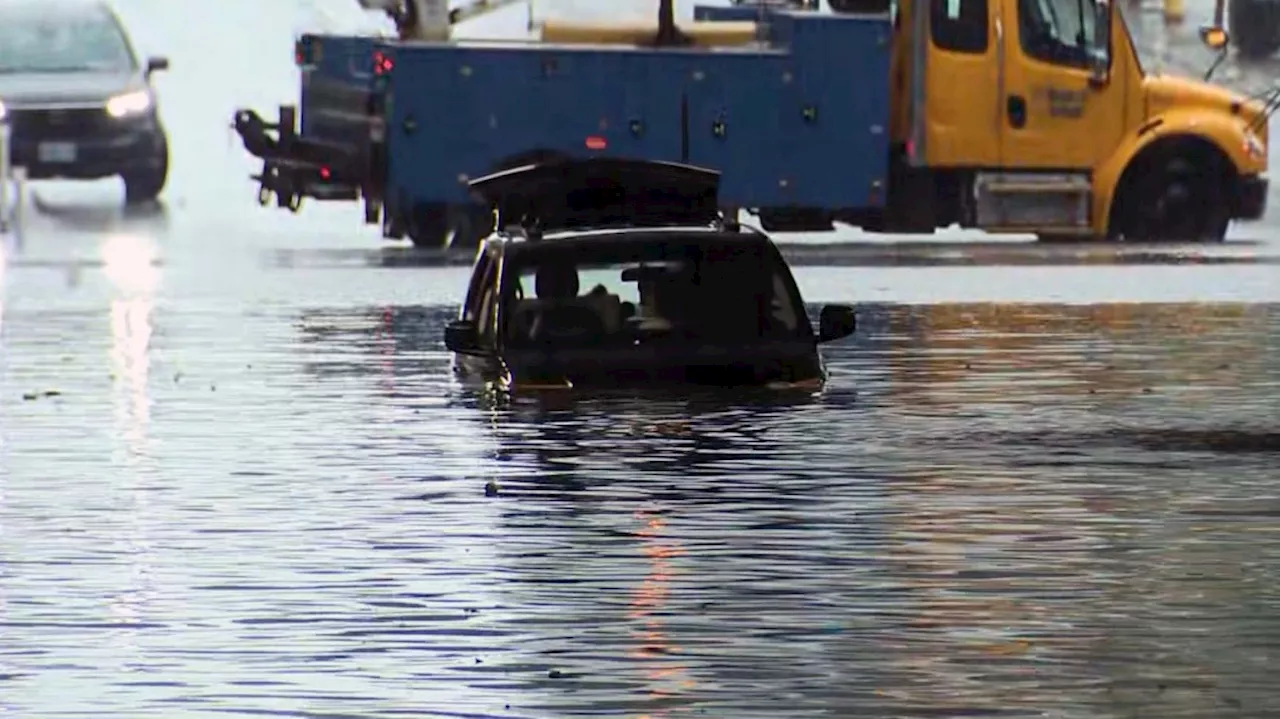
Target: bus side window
[(960, 25)]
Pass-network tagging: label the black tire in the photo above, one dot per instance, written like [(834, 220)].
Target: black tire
[(470, 225), (428, 225), (393, 228), (144, 185), (1172, 198), (1254, 26), (436, 225), (860, 7), (440, 226)]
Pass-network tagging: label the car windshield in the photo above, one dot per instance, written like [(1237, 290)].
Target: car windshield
[(729, 291), (35, 41)]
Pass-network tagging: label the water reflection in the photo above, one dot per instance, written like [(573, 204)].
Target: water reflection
[(661, 530), (131, 363), (129, 262), (402, 340), (976, 531), (1199, 375), (110, 216), (949, 353), (653, 648)]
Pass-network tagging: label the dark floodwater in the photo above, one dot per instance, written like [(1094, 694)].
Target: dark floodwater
[(237, 479), (258, 491)]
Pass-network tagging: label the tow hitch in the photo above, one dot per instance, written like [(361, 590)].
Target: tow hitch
[(294, 167)]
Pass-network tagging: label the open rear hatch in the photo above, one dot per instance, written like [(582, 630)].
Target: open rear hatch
[(601, 192)]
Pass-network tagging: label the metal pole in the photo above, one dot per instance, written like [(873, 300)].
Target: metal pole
[(4, 176), (433, 20), (19, 206)]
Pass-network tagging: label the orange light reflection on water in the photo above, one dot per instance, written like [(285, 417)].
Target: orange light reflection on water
[(668, 676)]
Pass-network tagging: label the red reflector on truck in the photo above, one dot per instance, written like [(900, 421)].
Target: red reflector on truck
[(595, 142)]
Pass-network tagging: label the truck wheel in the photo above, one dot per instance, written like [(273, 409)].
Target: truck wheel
[(428, 226), (1169, 200), (393, 227), (470, 225), (863, 7), (1254, 26)]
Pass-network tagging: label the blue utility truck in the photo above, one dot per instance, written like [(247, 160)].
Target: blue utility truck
[(765, 112), (901, 117)]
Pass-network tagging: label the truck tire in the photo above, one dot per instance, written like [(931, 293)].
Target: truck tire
[(1254, 26), (1171, 198), (469, 225), (860, 7), (440, 226), (428, 225)]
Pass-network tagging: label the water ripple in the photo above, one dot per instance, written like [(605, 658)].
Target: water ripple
[(995, 510)]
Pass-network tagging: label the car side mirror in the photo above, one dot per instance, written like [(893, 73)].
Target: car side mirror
[(461, 336), (836, 322), (156, 64)]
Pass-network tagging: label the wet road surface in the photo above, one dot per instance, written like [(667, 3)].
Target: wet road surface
[(237, 478)]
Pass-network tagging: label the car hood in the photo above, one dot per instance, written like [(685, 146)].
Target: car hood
[(63, 87)]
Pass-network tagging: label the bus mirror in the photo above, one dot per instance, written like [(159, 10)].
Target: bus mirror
[(1214, 38)]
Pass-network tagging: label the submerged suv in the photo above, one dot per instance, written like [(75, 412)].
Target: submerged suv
[(78, 102), (613, 272)]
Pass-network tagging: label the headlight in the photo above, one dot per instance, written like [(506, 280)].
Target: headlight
[(3, 112), (130, 103)]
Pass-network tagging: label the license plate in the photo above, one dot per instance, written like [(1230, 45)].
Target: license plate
[(57, 152)]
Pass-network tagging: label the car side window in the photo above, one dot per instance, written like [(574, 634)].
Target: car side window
[(960, 25)]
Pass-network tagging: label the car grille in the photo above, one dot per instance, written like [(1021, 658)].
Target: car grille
[(68, 123)]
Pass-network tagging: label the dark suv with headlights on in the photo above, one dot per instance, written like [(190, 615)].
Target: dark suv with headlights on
[(78, 102)]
